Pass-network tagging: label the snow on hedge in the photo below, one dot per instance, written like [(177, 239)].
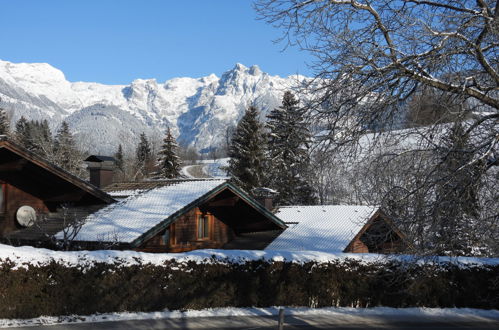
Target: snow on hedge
[(24, 256)]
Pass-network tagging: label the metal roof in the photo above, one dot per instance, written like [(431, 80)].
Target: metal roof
[(320, 228)]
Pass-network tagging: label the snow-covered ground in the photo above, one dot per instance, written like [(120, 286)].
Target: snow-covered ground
[(213, 168), (343, 312), (206, 169), (24, 256)]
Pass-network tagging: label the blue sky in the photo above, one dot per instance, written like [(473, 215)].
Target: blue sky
[(116, 41)]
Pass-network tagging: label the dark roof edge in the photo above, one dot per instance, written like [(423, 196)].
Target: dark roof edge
[(215, 191), (375, 215), (250, 200), (42, 162)]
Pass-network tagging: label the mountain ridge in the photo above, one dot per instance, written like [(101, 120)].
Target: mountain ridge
[(198, 110)]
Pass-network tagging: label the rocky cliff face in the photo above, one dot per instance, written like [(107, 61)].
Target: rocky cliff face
[(199, 110)]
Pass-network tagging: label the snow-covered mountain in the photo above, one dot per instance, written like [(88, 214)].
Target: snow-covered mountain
[(199, 110)]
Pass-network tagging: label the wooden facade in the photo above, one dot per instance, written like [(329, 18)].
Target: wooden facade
[(184, 234), (378, 235), (12, 199), (223, 218), (29, 180)]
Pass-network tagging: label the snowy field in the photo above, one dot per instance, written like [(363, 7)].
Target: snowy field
[(343, 312), (24, 256)]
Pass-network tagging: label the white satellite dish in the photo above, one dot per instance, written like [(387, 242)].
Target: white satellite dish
[(26, 216)]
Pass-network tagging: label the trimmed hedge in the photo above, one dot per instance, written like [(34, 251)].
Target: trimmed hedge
[(55, 289)]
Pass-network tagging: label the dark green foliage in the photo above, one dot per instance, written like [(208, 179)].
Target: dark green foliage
[(35, 136), (144, 156), (288, 168), (62, 151), (41, 137), (54, 289), (143, 149), (4, 122), (247, 152), (22, 134), (66, 154), (168, 160), (118, 156)]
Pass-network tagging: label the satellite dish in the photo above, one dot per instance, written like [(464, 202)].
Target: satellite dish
[(26, 216)]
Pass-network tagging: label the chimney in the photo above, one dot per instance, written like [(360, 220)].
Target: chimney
[(265, 196), (101, 170)]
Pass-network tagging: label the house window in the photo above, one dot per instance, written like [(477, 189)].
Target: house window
[(203, 231)]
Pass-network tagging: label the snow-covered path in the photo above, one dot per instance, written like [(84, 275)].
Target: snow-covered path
[(266, 318), (194, 172), (207, 169)]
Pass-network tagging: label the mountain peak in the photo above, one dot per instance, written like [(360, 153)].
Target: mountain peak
[(239, 67), (197, 109), (255, 70)]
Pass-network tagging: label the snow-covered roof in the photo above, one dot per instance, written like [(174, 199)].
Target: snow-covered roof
[(130, 218), (320, 228)]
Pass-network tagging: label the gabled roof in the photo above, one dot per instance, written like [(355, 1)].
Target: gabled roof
[(321, 228), (26, 162), (146, 212)]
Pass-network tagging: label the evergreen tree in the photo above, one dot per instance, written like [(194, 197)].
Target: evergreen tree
[(247, 152), (23, 133), (66, 154), (168, 160), (41, 139), (118, 156), (143, 153), (288, 167), (4, 123)]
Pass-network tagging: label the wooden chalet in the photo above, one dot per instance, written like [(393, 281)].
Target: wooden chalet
[(32, 188), (38, 200), (338, 228), (180, 215)]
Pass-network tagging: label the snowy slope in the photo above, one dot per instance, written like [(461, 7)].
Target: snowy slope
[(197, 109)]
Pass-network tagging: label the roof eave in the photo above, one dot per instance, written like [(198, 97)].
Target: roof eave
[(56, 170)]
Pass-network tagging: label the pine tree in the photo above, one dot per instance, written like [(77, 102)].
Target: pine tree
[(288, 167), (118, 156), (41, 139), (247, 152), (143, 153), (168, 160), (23, 133), (66, 154), (4, 123)]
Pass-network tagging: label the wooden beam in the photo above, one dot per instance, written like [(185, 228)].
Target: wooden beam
[(13, 166)]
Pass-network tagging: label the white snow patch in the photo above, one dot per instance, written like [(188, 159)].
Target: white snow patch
[(24, 256)]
